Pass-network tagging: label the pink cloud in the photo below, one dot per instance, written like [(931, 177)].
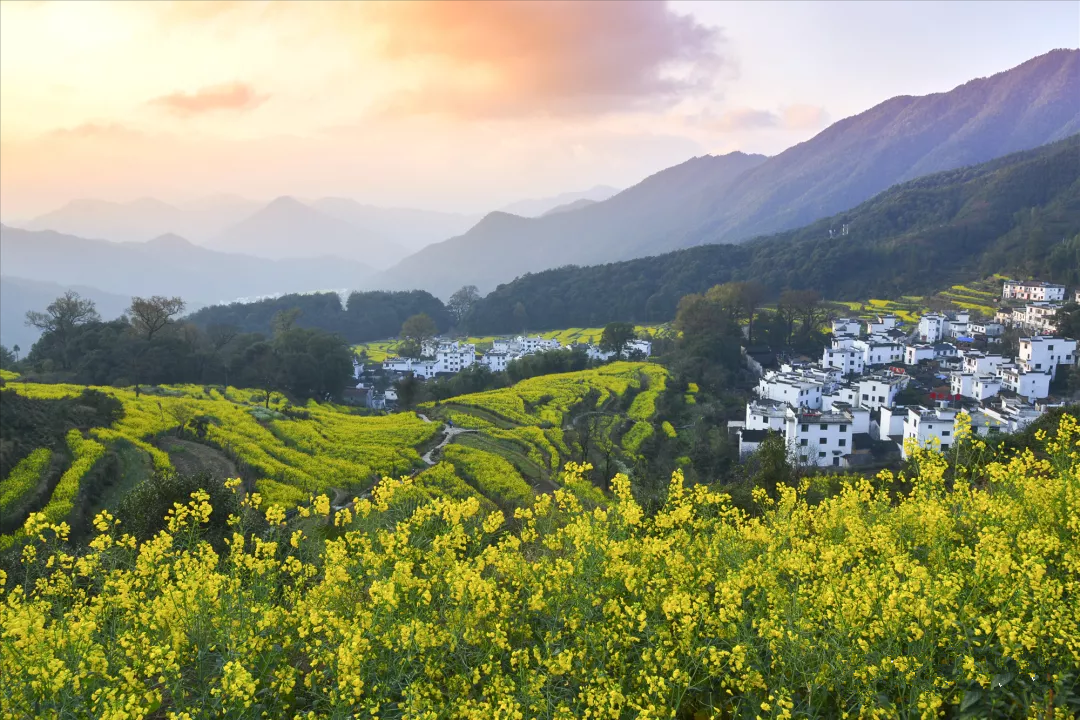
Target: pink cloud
[(229, 96)]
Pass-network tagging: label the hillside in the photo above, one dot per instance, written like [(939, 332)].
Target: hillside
[(168, 265), (535, 207), (701, 202), (405, 227), (1017, 215), (510, 244), (430, 599)]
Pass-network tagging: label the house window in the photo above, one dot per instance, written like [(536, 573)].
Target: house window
[(865, 396), (930, 426), (1038, 366), (805, 428), (821, 454), (843, 442), (836, 461), (824, 427), (881, 398), (822, 441), (843, 428), (944, 447), (804, 441), (946, 433)]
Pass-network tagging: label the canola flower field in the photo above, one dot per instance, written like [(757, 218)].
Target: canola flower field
[(292, 452), (526, 423), (944, 593), (296, 452)]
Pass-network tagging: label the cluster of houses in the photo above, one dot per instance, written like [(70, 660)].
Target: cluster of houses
[(843, 410), (443, 357), (447, 357), (1038, 303)]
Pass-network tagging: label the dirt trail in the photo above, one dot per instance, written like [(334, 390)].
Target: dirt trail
[(191, 458)]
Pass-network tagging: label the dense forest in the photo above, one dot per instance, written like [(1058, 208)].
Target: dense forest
[(364, 316), (1019, 214)]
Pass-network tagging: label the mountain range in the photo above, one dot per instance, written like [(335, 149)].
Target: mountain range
[(1019, 214), (735, 197), (167, 265)]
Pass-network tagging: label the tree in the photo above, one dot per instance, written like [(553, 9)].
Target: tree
[(284, 320), (521, 317), (418, 331), (61, 318), (16, 349), (262, 368), (150, 315), (7, 358), (1067, 321), (408, 391), (462, 301), (616, 336), (751, 295)]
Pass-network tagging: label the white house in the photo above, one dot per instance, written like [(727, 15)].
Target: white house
[(880, 389), (453, 357), (1037, 317), (495, 360), (974, 385), (932, 327), (818, 438), (791, 389), (981, 363), (957, 324), (891, 422), (915, 354), (765, 415), (929, 427), (1039, 291), (989, 328), (846, 326), (845, 393), (881, 324), (1014, 414), (1030, 384), (878, 352), (1042, 352), (847, 360)]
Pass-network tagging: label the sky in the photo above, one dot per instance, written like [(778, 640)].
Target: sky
[(458, 106)]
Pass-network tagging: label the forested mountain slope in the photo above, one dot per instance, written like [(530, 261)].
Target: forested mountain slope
[(1019, 214), (736, 197)]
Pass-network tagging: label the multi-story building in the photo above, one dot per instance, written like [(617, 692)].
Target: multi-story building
[(792, 389), (879, 352), (915, 354), (818, 438), (1043, 352), (974, 385), (1038, 291), (765, 415), (976, 362), (1030, 384), (880, 389), (929, 427), (932, 327), (843, 356), (496, 360)]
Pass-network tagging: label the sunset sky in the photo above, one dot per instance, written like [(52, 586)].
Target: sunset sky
[(454, 105)]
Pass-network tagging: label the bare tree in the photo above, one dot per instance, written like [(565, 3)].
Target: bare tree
[(60, 319), (149, 315)]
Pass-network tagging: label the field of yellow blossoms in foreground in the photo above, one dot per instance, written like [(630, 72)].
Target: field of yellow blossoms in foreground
[(952, 599)]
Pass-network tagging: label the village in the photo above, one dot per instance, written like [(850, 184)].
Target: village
[(447, 357), (849, 409)]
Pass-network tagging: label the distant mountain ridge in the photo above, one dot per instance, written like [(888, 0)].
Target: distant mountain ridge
[(168, 265), (735, 197), (535, 207), (1019, 214), (287, 228)]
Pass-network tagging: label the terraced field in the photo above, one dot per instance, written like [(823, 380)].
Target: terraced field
[(529, 427), (288, 453)]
